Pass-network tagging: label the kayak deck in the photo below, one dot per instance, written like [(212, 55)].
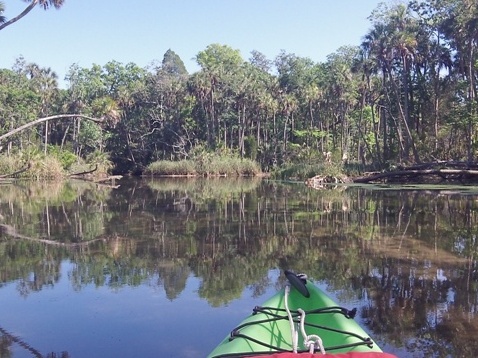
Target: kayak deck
[(268, 329)]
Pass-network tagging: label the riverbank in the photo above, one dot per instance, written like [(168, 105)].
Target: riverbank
[(212, 165)]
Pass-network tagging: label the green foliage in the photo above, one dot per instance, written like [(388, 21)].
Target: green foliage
[(172, 64), (101, 161), (90, 137), (19, 102), (250, 147), (218, 57), (65, 157)]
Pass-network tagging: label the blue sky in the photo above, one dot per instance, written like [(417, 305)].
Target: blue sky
[(141, 31)]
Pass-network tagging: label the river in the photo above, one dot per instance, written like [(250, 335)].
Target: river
[(167, 267)]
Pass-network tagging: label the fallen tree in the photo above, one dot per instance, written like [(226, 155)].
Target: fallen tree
[(44, 119), (442, 171)]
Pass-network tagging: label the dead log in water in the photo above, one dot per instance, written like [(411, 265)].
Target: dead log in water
[(441, 172)]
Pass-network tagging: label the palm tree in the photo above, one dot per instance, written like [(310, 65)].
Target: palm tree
[(45, 4), (2, 9), (45, 82), (392, 42), (375, 52), (218, 64), (461, 28), (404, 42)]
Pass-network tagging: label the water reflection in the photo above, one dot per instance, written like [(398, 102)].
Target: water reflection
[(407, 258)]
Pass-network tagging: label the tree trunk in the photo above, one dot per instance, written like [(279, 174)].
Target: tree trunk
[(18, 17), (284, 136), (243, 131), (472, 105), (213, 121), (46, 137), (41, 120), (409, 142)]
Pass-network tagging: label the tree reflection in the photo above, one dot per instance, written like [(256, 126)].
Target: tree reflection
[(409, 257), (5, 344), (173, 277), (7, 340)]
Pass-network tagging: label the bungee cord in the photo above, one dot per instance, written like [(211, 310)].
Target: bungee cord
[(273, 314)]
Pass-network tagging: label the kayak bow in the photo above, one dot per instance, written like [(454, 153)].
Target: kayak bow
[(299, 310)]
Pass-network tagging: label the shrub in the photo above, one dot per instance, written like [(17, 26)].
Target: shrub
[(65, 157), (101, 160)]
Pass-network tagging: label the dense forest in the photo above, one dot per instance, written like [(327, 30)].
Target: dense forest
[(406, 94)]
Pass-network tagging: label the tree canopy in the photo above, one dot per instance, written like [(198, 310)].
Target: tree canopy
[(406, 94)]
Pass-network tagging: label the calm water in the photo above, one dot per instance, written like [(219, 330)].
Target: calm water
[(165, 268)]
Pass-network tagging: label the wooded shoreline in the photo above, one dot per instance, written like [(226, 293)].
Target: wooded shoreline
[(438, 172), (406, 94)]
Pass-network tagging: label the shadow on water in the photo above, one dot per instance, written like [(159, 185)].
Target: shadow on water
[(408, 258)]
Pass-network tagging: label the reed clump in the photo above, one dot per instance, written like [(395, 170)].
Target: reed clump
[(207, 165), (167, 167), (17, 166), (54, 165)]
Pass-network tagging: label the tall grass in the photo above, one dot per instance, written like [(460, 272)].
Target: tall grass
[(48, 168), (166, 167), (208, 165), (57, 164), (40, 167), (9, 164)]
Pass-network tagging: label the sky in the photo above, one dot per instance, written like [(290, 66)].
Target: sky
[(86, 32)]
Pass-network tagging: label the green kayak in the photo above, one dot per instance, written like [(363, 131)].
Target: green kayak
[(300, 310)]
